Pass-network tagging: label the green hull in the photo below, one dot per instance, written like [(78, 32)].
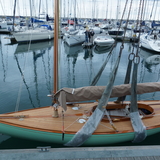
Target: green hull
[(56, 138)]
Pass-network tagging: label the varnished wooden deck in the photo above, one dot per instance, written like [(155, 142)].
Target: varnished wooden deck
[(41, 119)]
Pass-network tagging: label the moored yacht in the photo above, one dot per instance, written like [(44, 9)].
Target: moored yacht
[(116, 32), (149, 41), (38, 34), (74, 37), (104, 40)]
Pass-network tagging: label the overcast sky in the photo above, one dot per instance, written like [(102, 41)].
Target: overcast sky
[(110, 9)]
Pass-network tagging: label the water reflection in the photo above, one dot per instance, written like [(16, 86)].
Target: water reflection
[(153, 60), (88, 53), (37, 50), (99, 73), (102, 49), (24, 81), (72, 53), (92, 64), (3, 64), (5, 51), (33, 47), (149, 59), (32, 64)]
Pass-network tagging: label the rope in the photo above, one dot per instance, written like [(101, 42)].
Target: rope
[(152, 10), (19, 95), (96, 78), (71, 124), (127, 19), (127, 78), (63, 125), (110, 121), (106, 126), (121, 21), (136, 60)]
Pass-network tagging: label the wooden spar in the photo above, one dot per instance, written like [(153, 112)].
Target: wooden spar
[(56, 31)]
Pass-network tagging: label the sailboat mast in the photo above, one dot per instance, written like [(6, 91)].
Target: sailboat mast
[(46, 7), (39, 9), (56, 31), (14, 13), (75, 5)]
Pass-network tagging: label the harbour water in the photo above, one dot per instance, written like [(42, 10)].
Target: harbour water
[(26, 77)]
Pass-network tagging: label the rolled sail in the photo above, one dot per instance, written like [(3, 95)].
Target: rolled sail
[(95, 92)]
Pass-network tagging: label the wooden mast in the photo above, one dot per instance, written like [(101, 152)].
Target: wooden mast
[(55, 67), (56, 31)]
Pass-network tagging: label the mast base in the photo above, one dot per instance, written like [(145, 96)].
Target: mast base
[(55, 113)]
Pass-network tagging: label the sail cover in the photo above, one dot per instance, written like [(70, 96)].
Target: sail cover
[(137, 123), (95, 92)]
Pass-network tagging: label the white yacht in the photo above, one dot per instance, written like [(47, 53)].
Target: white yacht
[(74, 37), (150, 42), (38, 34), (4, 27), (116, 32), (104, 40)]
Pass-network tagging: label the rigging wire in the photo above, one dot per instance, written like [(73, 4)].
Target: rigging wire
[(155, 10), (130, 58), (152, 10)]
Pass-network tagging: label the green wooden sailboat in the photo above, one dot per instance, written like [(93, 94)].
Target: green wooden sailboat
[(72, 122), (39, 124)]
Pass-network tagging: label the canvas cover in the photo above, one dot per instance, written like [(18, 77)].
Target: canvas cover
[(137, 124), (95, 92)]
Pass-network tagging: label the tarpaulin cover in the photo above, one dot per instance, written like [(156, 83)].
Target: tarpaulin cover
[(95, 92)]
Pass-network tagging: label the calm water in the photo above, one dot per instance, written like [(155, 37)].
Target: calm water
[(26, 77)]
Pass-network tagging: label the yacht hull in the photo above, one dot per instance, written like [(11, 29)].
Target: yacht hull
[(39, 125)]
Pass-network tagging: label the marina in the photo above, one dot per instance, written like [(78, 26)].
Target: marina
[(39, 60), (89, 83)]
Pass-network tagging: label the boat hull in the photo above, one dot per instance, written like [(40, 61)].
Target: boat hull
[(103, 42), (56, 138), (39, 124), (22, 37), (149, 43), (72, 40)]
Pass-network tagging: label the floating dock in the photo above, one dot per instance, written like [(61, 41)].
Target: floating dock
[(84, 153)]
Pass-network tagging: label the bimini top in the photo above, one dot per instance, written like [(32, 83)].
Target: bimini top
[(95, 92)]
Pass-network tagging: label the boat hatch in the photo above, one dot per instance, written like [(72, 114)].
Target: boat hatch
[(122, 111)]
